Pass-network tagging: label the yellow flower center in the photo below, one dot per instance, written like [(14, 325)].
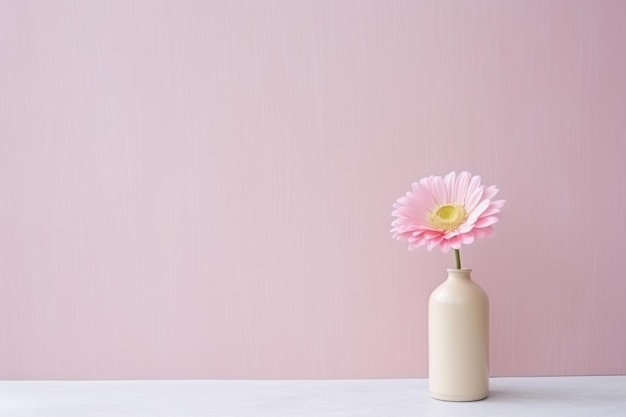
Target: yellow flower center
[(447, 217)]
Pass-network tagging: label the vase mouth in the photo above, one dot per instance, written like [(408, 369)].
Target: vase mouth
[(459, 270)]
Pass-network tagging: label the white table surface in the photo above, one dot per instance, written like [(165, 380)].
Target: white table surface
[(509, 397)]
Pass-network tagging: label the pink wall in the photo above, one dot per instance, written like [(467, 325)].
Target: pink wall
[(203, 189)]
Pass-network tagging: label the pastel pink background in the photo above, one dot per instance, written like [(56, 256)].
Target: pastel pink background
[(203, 189)]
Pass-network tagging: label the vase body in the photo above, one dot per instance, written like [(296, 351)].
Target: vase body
[(458, 339)]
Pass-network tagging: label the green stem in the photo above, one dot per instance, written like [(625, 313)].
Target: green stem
[(457, 257)]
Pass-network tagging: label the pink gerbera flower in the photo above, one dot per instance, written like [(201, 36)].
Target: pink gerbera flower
[(447, 212)]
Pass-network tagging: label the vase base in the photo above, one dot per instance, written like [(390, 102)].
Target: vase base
[(458, 398)]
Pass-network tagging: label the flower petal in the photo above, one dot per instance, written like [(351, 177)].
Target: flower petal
[(462, 183), (473, 185), (486, 221), (424, 199), (445, 246), (490, 211), (491, 192), (476, 213), (467, 238), (484, 232), (455, 242), (472, 200), (450, 182), (439, 191)]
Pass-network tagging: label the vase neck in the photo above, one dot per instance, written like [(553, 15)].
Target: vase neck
[(463, 273)]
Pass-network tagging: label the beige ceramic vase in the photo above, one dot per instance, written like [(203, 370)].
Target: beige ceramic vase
[(458, 339)]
